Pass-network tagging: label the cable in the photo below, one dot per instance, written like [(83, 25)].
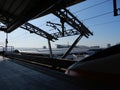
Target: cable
[(92, 6), (114, 21), (97, 16)]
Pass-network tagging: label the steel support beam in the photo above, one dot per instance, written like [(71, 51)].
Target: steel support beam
[(50, 49), (66, 16), (54, 26), (63, 32), (73, 45), (62, 22), (70, 32), (38, 31)]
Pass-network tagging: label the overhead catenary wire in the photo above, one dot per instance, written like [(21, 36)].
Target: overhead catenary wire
[(98, 15), (97, 4), (114, 21)]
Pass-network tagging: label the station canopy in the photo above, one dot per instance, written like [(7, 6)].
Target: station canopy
[(14, 13)]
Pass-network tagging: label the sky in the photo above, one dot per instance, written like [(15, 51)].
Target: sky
[(97, 15)]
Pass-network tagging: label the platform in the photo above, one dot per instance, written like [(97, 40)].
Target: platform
[(15, 76)]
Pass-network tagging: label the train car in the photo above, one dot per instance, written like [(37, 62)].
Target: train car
[(103, 67)]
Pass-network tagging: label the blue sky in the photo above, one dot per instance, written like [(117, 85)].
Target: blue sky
[(98, 18)]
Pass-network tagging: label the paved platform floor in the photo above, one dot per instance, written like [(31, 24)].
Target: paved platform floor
[(15, 76)]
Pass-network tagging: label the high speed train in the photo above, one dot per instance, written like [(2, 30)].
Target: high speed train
[(103, 66)]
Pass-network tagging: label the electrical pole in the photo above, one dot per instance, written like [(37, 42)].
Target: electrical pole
[(6, 42), (115, 8)]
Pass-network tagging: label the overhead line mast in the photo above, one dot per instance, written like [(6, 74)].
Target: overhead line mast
[(38, 31), (67, 17), (115, 9)]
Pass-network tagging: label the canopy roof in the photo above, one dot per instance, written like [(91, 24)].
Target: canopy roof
[(14, 13)]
